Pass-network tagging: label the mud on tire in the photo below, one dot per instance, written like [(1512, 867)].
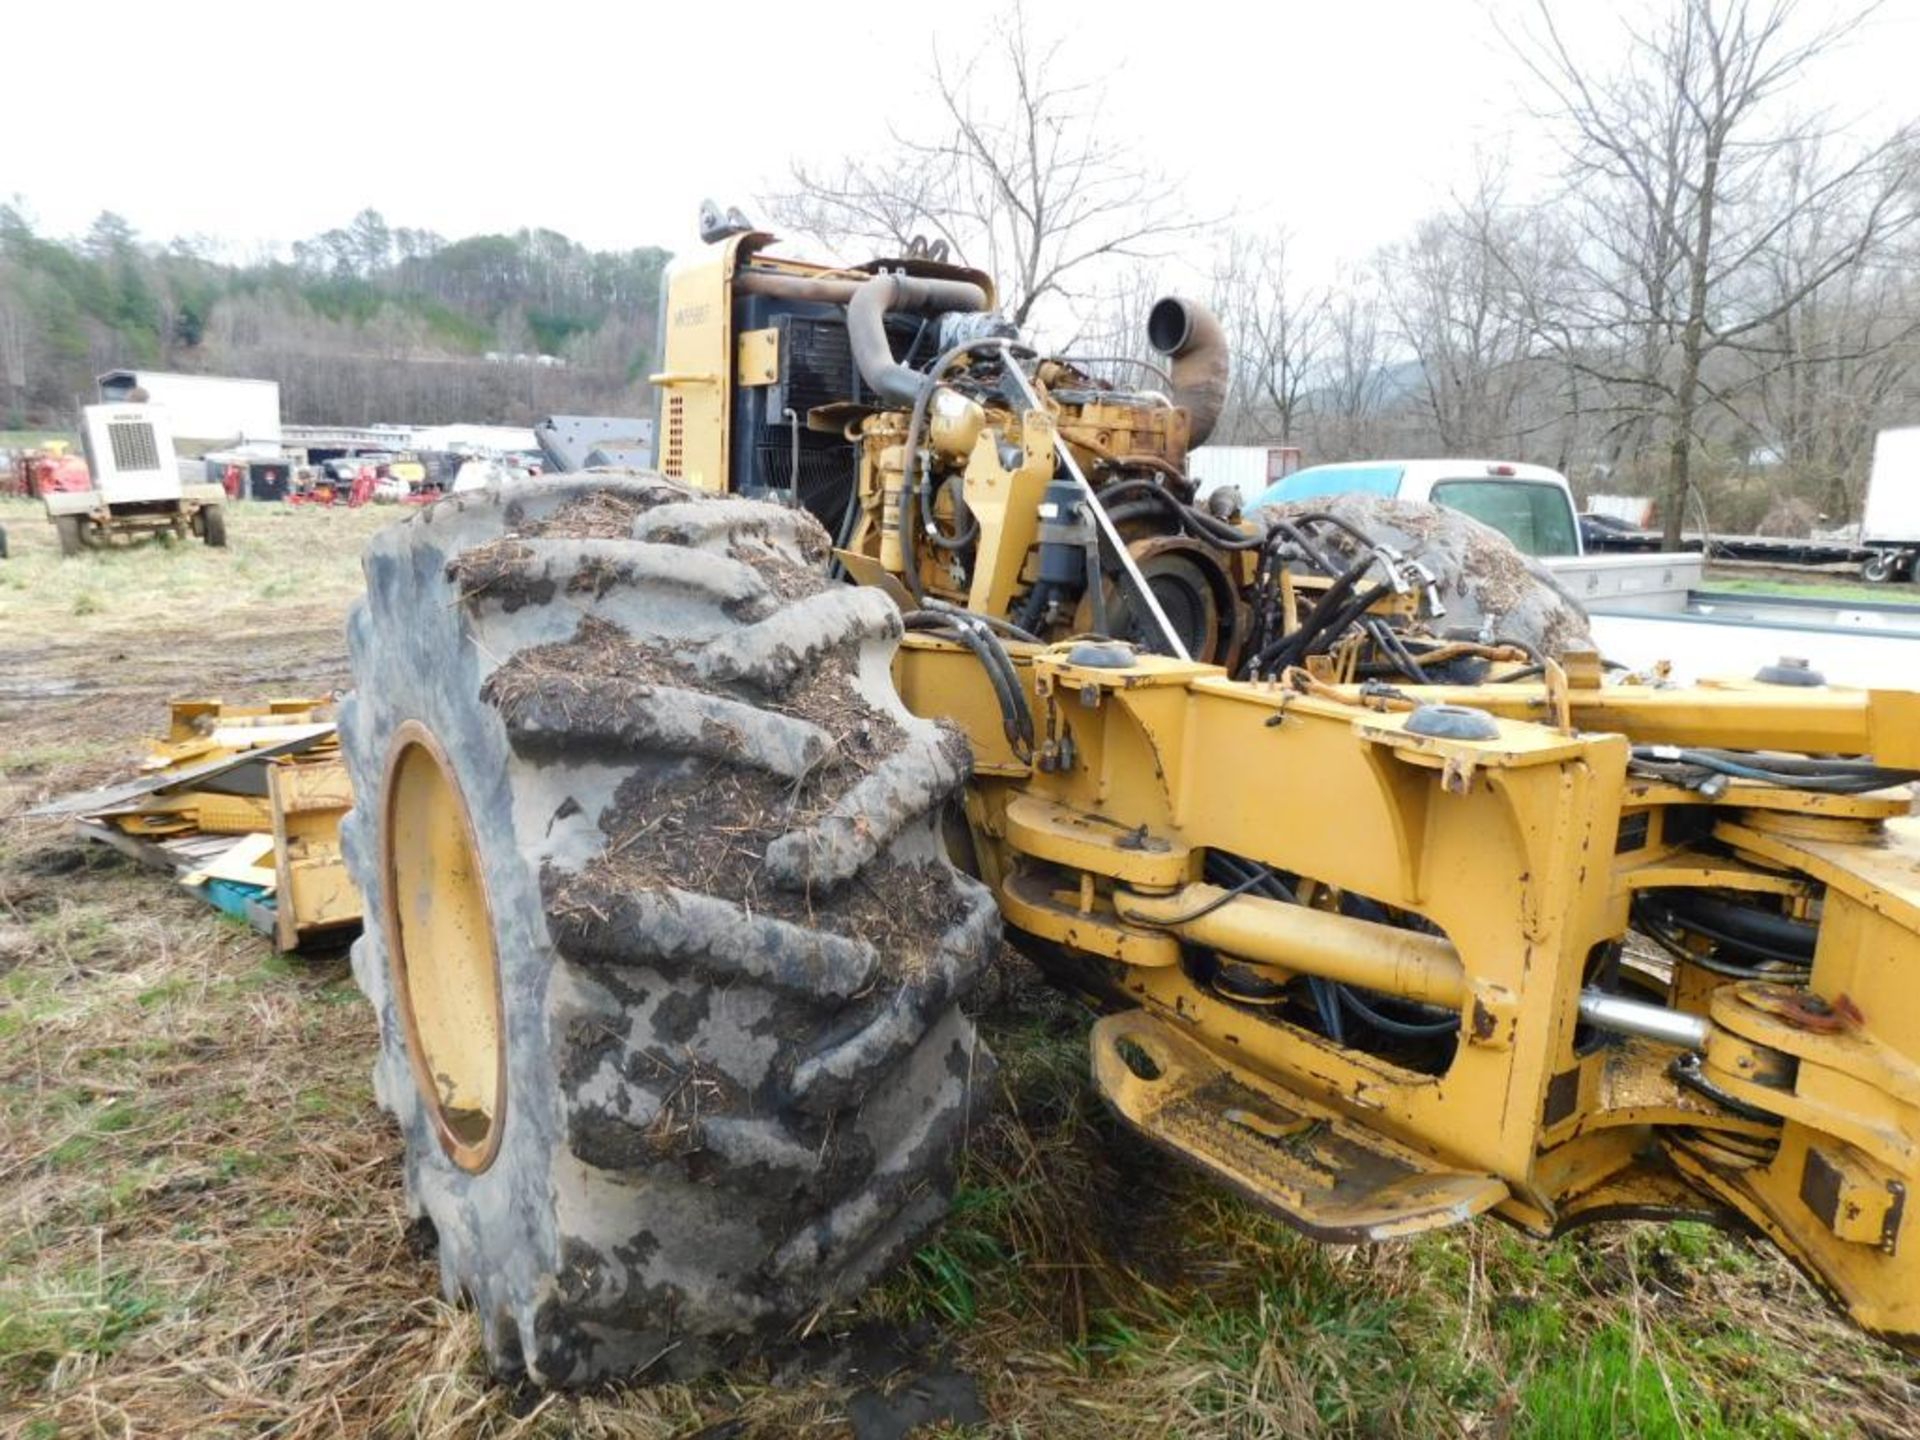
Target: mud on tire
[(730, 948)]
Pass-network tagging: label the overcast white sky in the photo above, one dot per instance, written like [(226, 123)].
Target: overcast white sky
[(260, 123)]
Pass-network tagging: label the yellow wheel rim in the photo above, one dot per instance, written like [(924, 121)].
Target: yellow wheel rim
[(439, 930)]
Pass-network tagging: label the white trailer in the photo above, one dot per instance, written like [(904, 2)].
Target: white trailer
[(208, 412), (1890, 521)]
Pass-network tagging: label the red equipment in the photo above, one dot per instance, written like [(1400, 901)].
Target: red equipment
[(48, 472)]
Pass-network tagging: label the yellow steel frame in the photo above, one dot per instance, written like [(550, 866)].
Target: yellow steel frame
[(1509, 847)]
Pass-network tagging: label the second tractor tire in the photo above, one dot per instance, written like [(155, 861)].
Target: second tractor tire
[(666, 952)]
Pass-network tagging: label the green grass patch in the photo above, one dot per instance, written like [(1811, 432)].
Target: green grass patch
[(1892, 594), (1615, 1383), (77, 1315)]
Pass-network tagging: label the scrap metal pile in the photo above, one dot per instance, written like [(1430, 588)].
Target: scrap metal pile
[(243, 804)]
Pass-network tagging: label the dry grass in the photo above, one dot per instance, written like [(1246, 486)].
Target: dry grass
[(201, 1230)]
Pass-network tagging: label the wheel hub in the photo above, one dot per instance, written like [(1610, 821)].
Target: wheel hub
[(439, 933)]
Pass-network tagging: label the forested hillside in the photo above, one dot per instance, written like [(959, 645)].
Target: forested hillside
[(364, 323)]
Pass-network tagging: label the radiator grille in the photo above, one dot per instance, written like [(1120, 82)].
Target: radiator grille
[(673, 458), (826, 476), (816, 365), (133, 445)]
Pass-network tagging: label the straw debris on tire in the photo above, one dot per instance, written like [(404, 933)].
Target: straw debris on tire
[(731, 947)]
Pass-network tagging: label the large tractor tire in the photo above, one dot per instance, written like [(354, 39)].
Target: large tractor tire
[(666, 952)]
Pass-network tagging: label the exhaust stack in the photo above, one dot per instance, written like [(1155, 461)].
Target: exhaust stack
[(1186, 332)]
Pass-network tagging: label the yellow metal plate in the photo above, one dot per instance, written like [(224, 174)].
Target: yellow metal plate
[(1319, 1171), (759, 357)]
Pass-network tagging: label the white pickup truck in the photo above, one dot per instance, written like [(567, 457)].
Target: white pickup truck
[(1644, 609)]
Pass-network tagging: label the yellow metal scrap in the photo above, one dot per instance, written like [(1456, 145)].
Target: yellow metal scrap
[(304, 795)]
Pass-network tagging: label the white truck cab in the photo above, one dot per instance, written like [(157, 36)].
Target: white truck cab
[(1529, 504)]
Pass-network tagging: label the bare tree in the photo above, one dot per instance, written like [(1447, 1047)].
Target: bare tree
[(1353, 384), (1112, 341), (1454, 312), (1669, 156), (1837, 359), (1277, 331), (1023, 176)]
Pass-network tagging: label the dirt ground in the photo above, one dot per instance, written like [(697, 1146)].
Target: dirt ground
[(201, 1230)]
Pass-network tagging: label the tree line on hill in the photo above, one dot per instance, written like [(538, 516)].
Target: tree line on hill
[(362, 324)]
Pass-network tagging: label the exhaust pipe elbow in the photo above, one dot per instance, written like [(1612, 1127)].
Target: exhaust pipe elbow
[(1186, 332), (893, 382)]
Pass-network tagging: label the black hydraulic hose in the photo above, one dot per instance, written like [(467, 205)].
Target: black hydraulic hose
[(1016, 716), (1322, 628), (1323, 610), (1237, 869), (1218, 533), (1805, 764), (969, 530), (848, 518), (1194, 520), (992, 622), (1132, 510), (1328, 995), (1384, 636), (1400, 1029), (1347, 617), (1674, 944), (1307, 548), (1172, 922), (999, 664), (1766, 934), (1836, 777), (1322, 517)]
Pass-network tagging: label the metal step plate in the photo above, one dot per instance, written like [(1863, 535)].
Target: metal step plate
[(1322, 1172)]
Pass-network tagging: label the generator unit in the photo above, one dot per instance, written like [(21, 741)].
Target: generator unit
[(135, 488)]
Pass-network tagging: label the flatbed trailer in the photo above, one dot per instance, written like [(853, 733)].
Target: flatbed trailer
[(1651, 609)]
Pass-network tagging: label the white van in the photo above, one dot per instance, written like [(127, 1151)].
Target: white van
[(1529, 504)]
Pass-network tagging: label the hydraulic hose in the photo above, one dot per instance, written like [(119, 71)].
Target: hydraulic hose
[(1016, 716), (1759, 934), (916, 427), (1789, 772)]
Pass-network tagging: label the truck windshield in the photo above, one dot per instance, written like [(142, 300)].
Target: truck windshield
[(1537, 518)]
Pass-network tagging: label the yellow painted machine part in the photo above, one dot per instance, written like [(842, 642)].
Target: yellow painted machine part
[(1297, 939), (698, 364), (1507, 847), (439, 935), (308, 797)]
